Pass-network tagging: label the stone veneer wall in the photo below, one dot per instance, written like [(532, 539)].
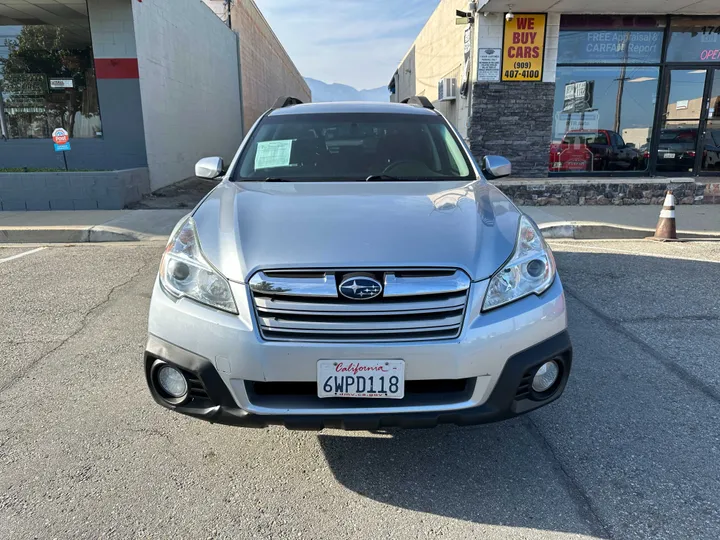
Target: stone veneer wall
[(514, 120), (567, 192)]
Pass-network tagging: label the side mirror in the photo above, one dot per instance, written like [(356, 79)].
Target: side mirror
[(209, 167), (496, 166)]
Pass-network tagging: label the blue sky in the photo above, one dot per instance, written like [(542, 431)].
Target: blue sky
[(355, 42)]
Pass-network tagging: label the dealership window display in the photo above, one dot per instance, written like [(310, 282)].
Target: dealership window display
[(637, 94), (606, 92), (47, 80)]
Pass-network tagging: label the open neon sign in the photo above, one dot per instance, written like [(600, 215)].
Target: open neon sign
[(710, 54)]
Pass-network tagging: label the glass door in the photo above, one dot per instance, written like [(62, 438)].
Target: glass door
[(682, 118), (711, 145)]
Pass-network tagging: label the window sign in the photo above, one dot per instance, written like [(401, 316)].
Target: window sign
[(273, 154), (694, 40), (61, 84), (524, 47), (489, 64), (578, 96), (568, 122), (610, 46)]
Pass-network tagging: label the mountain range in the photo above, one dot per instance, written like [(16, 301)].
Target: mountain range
[(322, 91)]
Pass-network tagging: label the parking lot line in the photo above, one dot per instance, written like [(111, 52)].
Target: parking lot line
[(7, 259)]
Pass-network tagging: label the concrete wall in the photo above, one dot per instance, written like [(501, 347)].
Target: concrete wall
[(436, 53), (106, 190), (267, 70), (122, 144), (189, 83)]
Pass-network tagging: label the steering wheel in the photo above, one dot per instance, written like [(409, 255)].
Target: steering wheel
[(396, 164)]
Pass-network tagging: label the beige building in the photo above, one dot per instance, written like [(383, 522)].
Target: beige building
[(266, 70), (436, 54)]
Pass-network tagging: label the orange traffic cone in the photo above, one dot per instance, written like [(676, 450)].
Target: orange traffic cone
[(665, 229)]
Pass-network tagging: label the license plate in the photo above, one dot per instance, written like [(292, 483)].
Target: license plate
[(669, 156), (361, 378)]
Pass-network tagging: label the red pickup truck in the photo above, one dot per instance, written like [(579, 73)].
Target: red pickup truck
[(586, 150)]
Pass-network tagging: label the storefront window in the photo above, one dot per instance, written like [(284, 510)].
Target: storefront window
[(610, 40), (603, 118), (603, 114), (47, 80), (694, 39)]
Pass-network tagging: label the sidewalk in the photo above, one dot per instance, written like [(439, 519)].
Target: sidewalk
[(592, 222), (88, 225), (580, 222)]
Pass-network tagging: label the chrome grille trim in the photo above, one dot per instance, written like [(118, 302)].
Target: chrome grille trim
[(417, 304), (302, 286), (422, 285)]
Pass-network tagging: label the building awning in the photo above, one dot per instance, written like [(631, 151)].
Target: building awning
[(606, 7)]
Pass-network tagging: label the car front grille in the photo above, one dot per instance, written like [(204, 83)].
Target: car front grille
[(284, 395), (415, 305)]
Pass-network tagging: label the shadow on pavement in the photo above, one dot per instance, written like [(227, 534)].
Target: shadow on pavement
[(183, 194), (629, 451), (496, 474)]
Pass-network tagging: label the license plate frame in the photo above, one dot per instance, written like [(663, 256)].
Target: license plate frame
[(342, 379)]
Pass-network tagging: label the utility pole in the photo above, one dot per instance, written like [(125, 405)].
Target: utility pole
[(621, 83), (228, 10)]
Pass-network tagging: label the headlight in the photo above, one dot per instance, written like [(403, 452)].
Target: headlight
[(530, 271), (184, 271)]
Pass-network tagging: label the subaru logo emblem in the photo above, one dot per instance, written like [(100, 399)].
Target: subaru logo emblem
[(360, 288)]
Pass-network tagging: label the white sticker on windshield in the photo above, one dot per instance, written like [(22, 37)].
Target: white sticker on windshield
[(273, 154)]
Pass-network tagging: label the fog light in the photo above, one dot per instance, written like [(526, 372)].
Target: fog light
[(546, 376), (172, 381)]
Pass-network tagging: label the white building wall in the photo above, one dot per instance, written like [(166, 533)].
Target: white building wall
[(112, 27), (190, 86)]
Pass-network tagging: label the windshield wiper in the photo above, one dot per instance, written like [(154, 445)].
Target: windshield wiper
[(276, 179), (381, 177)]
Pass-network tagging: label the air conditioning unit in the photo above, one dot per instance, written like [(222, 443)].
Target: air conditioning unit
[(447, 89)]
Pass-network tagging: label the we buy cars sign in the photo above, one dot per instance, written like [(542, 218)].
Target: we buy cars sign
[(60, 136)]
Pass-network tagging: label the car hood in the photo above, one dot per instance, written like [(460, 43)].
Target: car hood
[(248, 226)]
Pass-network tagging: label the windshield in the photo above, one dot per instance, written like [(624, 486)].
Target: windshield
[(353, 147), (585, 138)]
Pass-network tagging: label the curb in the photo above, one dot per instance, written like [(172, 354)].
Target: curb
[(560, 230), (590, 230), (72, 235)]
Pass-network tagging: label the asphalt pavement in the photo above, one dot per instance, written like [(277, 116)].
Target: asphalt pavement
[(632, 449)]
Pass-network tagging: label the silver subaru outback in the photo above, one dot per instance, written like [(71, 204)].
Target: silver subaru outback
[(354, 269)]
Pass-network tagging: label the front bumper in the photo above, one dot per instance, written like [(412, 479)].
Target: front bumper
[(223, 354), (504, 402)]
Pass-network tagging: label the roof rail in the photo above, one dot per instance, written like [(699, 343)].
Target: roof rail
[(419, 101), (286, 102)]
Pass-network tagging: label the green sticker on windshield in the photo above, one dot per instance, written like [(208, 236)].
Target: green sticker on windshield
[(273, 154)]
